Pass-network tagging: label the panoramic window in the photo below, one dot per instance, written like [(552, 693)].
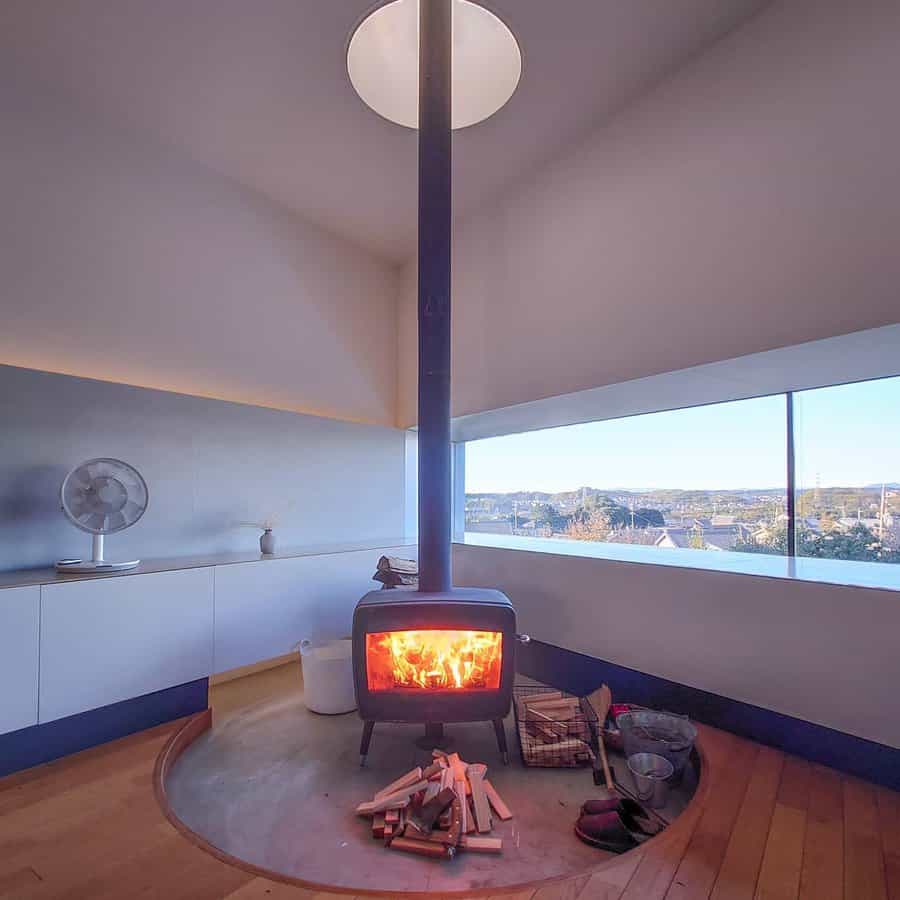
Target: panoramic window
[(705, 478), (847, 459)]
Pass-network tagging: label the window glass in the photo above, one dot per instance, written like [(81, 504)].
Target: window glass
[(710, 477), (847, 471)]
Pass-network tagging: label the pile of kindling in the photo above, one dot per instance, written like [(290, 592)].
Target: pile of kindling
[(437, 811)]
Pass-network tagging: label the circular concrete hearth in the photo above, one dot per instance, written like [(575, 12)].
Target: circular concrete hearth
[(275, 786)]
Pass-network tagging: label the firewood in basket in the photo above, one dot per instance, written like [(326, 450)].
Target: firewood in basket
[(503, 811), (545, 697), (572, 746), (569, 703), (378, 826), (553, 721), (555, 713)]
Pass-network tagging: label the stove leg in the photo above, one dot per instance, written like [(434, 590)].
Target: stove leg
[(501, 740), (368, 728)]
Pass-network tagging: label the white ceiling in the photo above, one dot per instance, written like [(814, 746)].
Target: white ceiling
[(258, 90)]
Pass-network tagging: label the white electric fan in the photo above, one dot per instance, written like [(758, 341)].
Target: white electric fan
[(102, 496)]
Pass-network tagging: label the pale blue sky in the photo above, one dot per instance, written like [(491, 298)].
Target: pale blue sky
[(849, 434)]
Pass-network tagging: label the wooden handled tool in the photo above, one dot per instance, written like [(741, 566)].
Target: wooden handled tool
[(600, 701)]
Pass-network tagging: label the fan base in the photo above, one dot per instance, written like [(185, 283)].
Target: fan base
[(94, 565)]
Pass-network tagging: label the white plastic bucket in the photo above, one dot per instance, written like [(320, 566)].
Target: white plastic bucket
[(328, 676)]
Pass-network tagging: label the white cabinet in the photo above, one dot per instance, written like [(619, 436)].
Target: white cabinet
[(19, 632), (111, 639), (263, 609)]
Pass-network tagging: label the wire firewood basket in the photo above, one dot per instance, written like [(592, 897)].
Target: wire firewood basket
[(556, 729)]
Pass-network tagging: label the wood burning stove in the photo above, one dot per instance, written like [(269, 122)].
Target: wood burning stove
[(434, 658), (439, 654)]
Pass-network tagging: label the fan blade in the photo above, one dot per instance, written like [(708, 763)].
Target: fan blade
[(132, 510), (115, 521), (93, 520), (80, 481)]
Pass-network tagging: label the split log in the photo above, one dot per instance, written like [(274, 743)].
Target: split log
[(479, 800), (410, 777), (477, 844), (370, 807), (422, 848), (496, 801), (398, 800), (458, 766)]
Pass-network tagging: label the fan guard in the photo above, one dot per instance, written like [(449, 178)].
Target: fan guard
[(102, 496)]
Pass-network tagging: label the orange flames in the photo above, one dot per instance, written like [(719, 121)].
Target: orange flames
[(434, 660)]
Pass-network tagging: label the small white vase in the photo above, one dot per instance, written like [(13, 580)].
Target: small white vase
[(267, 542)]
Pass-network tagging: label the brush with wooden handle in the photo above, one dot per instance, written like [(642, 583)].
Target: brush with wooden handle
[(600, 700)]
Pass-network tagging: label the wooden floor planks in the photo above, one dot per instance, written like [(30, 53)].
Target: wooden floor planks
[(822, 876), (88, 828), (864, 869), (697, 870), (736, 879), (779, 874), (888, 803)]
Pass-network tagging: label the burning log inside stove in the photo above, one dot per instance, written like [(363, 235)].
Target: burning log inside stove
[(449, 659), (395, 572)]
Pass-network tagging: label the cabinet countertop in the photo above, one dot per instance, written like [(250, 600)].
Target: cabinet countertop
[(49, 575)]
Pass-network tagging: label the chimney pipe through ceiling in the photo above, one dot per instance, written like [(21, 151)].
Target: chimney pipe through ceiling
[(435, 64)]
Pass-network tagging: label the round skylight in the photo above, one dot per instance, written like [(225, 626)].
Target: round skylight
[(383, 62)]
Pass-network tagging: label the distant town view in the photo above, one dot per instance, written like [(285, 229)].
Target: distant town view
[(707, 460), (836, 523)]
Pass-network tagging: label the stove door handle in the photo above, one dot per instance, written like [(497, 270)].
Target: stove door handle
[(523, 638)]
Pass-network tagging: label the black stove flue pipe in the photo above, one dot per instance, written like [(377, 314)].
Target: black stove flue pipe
[(435, 64)]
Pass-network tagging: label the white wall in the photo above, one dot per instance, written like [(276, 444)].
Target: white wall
[(750, 202), (209, 465), (125, 262), (823, 653)]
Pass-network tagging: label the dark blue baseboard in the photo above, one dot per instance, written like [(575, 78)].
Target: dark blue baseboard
[(580, 674), (41, 743)]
